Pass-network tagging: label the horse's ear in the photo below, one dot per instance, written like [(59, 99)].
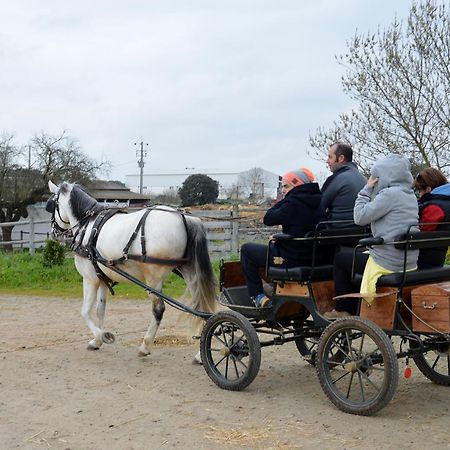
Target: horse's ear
[(52, 186)]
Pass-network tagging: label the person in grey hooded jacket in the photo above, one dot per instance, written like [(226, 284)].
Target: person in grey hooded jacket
[(389, 205)]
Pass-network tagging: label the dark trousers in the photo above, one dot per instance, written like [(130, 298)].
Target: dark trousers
[(342, 274), (253, 257)]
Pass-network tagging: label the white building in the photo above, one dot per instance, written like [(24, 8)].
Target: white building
[(256, 182)]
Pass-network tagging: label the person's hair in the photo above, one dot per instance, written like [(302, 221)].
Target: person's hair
[(429, 177), (343, 149)]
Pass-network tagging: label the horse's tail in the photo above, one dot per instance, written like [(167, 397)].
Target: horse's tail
[(198, 272)]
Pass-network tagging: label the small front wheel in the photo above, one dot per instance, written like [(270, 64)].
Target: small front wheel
[(230, 349), (357, 366)]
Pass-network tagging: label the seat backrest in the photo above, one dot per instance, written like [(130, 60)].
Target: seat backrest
[(349, 236), (424, 239)]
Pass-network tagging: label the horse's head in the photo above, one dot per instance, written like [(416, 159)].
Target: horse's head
[(70, 206), (58, 205)]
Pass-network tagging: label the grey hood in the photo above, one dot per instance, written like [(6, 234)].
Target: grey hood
[(392, 170)]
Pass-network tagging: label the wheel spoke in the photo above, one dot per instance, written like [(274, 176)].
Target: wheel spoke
[(361, 345), (436, 361), (235, 366), (340, 378), (349, 385), (223, 334), (226, 367), (215, 365), (241, 362), (448, 365), (368, 379), (349, 344), (362, 387), (219, 339)]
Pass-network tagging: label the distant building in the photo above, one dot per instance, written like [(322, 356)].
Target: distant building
[(256, 183), (115, 193), (111, 193)]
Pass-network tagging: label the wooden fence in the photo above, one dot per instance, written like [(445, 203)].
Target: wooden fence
[(226, 230)]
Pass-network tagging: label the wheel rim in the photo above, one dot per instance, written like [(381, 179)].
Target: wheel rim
[(354, 366), (227, 350), (438, 359)]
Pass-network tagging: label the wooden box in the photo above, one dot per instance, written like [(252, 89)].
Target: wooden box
[(384, 309), (430, 302)]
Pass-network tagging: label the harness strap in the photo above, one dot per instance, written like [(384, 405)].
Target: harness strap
[(90, 250)]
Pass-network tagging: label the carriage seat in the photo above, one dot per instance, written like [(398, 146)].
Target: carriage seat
[(417, 240), (301, 274), (321, 240), (423, 276)]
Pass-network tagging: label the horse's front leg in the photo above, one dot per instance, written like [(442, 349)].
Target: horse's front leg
[(102, 294), (90, 290), (158, 312)]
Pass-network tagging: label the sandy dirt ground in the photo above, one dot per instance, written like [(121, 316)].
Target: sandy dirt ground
[(55, 394)]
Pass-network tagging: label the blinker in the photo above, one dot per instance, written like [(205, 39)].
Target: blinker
[(51, 204)]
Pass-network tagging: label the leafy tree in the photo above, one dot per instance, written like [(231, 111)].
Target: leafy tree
[(23, 183), (198, 189), (399, 79)]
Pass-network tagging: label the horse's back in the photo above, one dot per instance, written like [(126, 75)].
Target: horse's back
[(165, 234)]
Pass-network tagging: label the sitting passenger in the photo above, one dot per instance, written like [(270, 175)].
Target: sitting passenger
[(434, 206), (298, 212), (389, 205)]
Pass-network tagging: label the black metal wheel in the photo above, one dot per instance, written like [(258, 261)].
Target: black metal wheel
[(434, 363), (230, 349), (361, 376)]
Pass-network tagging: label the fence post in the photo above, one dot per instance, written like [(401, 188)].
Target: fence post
[(32, 235), (234, 230)]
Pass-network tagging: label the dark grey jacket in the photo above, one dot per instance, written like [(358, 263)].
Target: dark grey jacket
[(340, 190)]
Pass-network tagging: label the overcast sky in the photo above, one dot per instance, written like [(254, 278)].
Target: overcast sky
[(209, 85)]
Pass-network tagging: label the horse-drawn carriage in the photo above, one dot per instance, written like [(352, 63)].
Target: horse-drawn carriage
[(355, 357)]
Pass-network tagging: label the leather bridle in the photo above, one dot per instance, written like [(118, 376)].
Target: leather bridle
[(52, 207)]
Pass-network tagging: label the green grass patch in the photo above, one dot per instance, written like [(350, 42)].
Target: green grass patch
[(24, 274)]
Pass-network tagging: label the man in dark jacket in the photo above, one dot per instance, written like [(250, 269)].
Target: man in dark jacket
[(340, 190), (298, 212)]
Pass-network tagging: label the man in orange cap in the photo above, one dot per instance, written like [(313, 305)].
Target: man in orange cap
[(298, 212)]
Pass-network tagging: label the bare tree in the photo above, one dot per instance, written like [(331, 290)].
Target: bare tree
[(54, 157), (399, 78), (252, 183)]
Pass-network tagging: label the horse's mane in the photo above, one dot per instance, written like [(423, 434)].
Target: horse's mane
[(81, 201)]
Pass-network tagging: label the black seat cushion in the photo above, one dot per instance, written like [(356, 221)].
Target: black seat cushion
[(303, 273), (414, 277)]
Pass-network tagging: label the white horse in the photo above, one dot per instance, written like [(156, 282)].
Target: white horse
[(169, 239)]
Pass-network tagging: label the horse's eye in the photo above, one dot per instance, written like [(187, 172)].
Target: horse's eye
[(50, 206)]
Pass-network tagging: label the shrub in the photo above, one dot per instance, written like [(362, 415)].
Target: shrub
[(198, 189), (53, 254)]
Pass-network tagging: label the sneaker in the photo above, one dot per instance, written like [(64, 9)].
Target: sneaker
[(261, 301), (333, 315), (265, 302)]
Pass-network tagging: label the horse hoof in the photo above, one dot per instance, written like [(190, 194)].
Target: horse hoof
[(92, 347), (108, 338), (197, 359), (142, 354)]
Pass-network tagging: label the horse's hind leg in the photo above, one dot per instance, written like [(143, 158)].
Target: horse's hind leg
[(89, 295), (158, 312)]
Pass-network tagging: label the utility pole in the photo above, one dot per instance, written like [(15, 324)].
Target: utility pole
[(141, 154)]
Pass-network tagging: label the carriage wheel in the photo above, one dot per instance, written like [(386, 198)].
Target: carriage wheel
[(230, 349), (362, 376), (435, 363)]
